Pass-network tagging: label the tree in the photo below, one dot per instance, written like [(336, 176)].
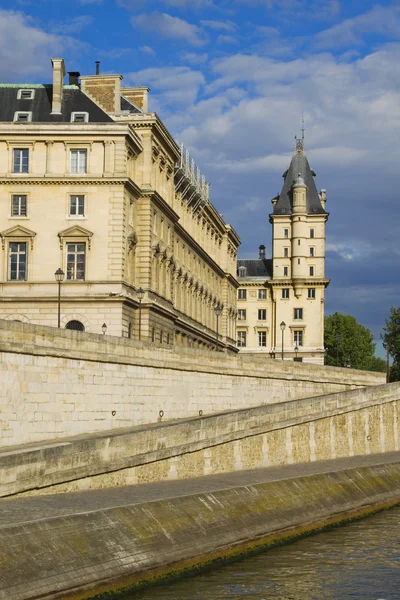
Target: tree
[(348, 343), (391, 338)]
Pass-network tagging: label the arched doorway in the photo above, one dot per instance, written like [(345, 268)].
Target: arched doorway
[(75, 326)]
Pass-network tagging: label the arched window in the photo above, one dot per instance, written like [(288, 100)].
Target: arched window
[(75, 326)]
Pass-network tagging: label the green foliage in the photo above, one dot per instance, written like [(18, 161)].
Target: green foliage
[(378, 364), (348, 343), (391, 337)]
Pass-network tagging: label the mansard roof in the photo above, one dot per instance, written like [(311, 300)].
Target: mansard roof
[(299, 164), (74, 100), (260, 268)]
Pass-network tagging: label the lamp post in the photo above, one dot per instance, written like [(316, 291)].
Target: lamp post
[(218, 313), (296, 351), (140, 296), (104, 328), (337, 339), (59, 275), (283, 327)]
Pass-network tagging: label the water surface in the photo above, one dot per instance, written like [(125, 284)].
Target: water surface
[(359, 561)]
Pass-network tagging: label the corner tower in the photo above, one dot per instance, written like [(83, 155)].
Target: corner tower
[(298, 261)]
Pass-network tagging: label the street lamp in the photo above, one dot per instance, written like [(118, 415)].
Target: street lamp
[(59, 275), (218, 313), (283, 327), (296, 351), (104, 328), (140, 296), (387, 363), (337, 339)]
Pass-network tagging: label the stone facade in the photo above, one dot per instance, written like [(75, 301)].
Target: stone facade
[(281, 300), (112, 200)]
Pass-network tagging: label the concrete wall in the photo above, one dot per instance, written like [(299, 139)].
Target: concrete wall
[(78, 555), (55, 383), (359, 422)]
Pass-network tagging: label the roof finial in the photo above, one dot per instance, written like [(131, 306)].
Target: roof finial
[(299, 144)]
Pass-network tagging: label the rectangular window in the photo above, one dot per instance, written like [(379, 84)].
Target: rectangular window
[(77, 206), (17, 259), (18, 205), (25, 94), (76, 261), (311, 293), (79, 117), (20, 160), (298, 337), (78, 161), (311, 271), (262, 338), (242, 294), (262, 294), (285, 271), (241, 341), (241, 314), (312, 233), (311, 251), (285, 293), (297, 313), (22, 117), (286, 233), (286, 252), (262, 314)]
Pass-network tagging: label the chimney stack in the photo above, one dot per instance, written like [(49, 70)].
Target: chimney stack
[(262, 252), (58, 82), (138, 95), (74, 77)]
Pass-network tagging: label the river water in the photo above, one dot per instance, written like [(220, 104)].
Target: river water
[(359, 561)]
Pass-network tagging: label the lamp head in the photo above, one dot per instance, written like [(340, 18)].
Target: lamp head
[(218, 310), (140, 293), (59, 275), (104, 328), (283, 326)]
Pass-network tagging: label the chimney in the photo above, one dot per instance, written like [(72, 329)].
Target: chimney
[(58, 82), (104, 90), (97, 67), (262, 252), (74, 77), (138, 95)]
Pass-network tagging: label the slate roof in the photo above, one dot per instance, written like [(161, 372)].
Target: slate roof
[(299, 164), (259, 268), (128, 106), (74, 100)]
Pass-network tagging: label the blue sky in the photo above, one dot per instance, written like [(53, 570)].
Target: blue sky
[(231, 80)]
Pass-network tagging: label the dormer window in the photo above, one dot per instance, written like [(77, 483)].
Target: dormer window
[(242, 271), (79, 117), (22, 117), (24, 94)]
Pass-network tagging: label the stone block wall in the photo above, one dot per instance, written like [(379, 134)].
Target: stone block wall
[(56, 383)]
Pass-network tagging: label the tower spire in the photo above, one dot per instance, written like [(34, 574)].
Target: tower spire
[(299, 143)]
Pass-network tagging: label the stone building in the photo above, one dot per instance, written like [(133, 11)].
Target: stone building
[(93, 184), (281, 300)]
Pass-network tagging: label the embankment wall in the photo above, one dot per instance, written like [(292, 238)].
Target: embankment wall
[(55, 383), (358, 422), (80, 555)]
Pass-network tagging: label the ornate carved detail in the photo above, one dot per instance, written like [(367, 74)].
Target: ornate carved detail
[(132, 241)]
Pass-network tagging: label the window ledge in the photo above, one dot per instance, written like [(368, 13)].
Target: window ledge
[(22, 218), (76, 218)]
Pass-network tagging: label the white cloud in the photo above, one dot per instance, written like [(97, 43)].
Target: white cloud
[(147, 50), (175, 85), (219, 25), (72, 26), (25, 49), (226, 39), (382, 20), (195, 58), (169, 27)]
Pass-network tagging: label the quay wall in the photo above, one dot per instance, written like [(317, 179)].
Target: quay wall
[(84, 554), (354, 423), (57, 383)]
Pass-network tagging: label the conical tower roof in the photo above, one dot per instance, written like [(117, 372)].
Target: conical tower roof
[(299, 165)]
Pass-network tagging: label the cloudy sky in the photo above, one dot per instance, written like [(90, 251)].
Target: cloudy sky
[(231, 79)]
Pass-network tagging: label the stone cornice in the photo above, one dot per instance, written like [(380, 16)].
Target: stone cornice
[(67, 180), (153, 121), (161, 203), (299, 283), (201, 252)]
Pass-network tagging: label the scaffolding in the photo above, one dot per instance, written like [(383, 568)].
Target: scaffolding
[(190, 184)]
